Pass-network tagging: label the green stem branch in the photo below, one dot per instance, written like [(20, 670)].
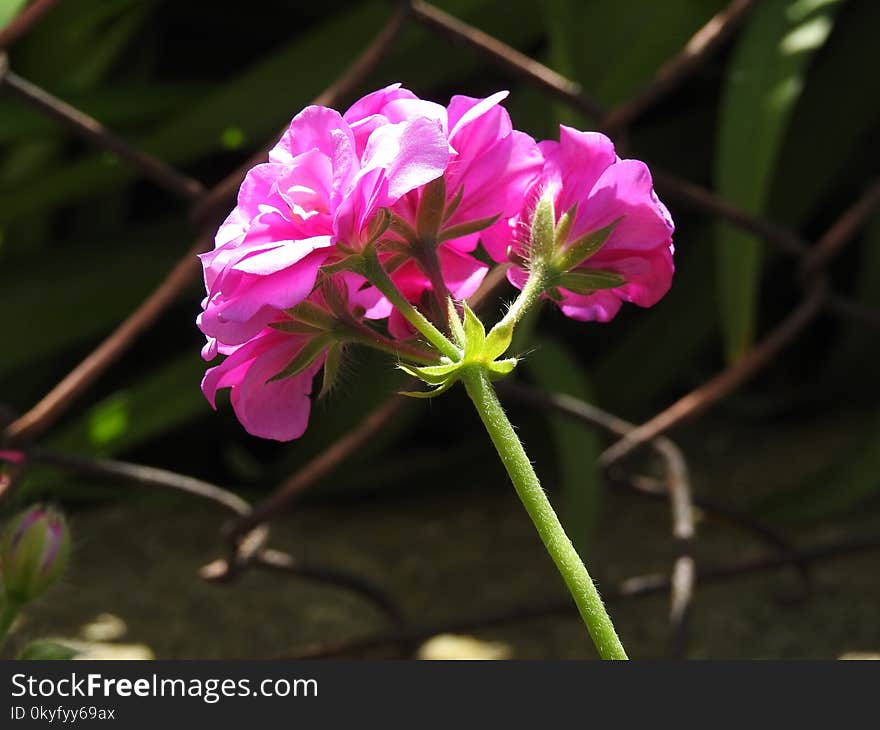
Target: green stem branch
[(528, 487), (528, 296), (404, 350), (425, 252), (379, 278)]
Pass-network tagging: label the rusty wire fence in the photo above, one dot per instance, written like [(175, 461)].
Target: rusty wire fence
[(246, 535)]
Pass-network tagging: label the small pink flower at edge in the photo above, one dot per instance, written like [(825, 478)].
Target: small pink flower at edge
[(582, 173)]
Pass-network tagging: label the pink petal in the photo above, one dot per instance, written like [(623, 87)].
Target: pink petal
[(462, 274), (412, 153), (315, 127), (575, 164), (625, 191), (278, 410)]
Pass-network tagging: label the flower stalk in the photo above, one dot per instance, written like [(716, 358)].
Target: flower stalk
[(538, 506), (378, 277)]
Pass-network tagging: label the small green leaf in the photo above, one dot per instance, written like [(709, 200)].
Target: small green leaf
[(431, 208), (542, 238), (586, 282), (584, 247), (455, 325), (474, 334), (305, 357)]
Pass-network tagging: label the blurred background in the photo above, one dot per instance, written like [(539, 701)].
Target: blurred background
[(780, 119)]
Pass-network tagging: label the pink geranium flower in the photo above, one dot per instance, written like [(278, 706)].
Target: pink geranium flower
[(268, 402), (583, 175), (270, 409), (491, 166), (316, 195)]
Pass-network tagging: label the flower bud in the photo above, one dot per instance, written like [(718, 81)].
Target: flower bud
[(542, 238), (33, 552)]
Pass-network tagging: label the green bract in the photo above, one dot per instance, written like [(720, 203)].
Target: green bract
[(479, 350)]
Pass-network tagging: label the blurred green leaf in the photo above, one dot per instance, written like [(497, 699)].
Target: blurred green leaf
[(9, 9), (167, 397), (46, 651), (612, 48), (50, 294), (832, 119), (764, 80), (117, 106), (555, 369), (252, 102), (86, 38)]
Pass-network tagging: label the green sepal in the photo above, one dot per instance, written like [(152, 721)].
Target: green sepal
[(583, 248), (586, 282), (474, 334), (403, 228), (305, 357), (465, 229), (501, 368), (498, 340), (563, 227), (354, 263), (394, 246), (331, 369), (430, 393), (431, 208), (542, 238), (378, 225), (455, 326), (453, 204), (311, 314), (295, 327), (336, 299), (431, 374)]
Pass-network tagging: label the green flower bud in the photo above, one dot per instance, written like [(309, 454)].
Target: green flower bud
[(33, 552)]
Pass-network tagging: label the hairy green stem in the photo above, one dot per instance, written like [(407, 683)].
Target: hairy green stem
[(366, 336), (528, 296), (379, 278), (425, 252), (530, 492)]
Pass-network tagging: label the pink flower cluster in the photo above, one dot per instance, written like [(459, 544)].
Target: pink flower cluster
[(389, 167)]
